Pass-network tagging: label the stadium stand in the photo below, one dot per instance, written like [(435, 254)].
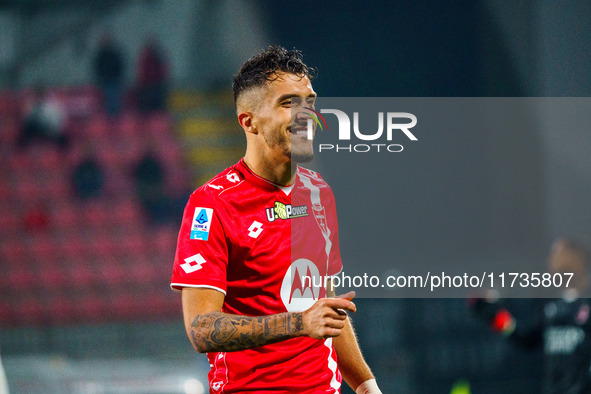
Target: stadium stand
[(68, 261)]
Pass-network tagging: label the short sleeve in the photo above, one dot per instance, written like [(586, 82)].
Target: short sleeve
[(201, 257), (335, 264)]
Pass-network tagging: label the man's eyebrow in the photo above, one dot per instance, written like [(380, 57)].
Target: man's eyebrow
[(290, 95)]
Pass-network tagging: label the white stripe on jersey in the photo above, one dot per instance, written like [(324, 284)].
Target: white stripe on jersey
[(332, 365), (315, 198), (217, 384)]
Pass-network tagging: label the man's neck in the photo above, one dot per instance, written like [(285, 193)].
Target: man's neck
[(280, 173)]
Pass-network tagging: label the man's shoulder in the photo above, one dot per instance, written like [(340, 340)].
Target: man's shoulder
[(222, 186), (312, 176)]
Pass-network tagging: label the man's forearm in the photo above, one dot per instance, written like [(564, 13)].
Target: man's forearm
[(351, 363), (222, 332)]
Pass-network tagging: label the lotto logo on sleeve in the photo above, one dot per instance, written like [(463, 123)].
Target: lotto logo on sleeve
[(201, 223)]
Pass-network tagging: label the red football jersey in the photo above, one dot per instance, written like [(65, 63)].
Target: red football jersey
[(268, 249)]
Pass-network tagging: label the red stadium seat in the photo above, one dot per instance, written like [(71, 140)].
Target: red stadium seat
[(164, 241), (112, 157), (57, 188), (141, 273), (8, 104), (118, 184), (65, 218), (43, 250), (81, 275), (103, 245), (19, 162), (90, 309), (153, 305), (28, 190), (178, 183), (76, 153), (131, 149), (30, 311), (96, 214), (126, 212), (47, 159), (126, 306), (11, 221), (73, 248), (61, 309), (22, 278), (159, 124), (135, 244), (129, 126), (53, 279), (5, 190), (9, 132), (98, 126), (172, 155), (13, 251), (113, 274), (8, 314)]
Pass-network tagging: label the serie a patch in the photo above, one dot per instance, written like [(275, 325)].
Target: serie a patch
[(201, 223)]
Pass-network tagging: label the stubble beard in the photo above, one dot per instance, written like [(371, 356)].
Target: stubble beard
[(302, 157), (284, 144)]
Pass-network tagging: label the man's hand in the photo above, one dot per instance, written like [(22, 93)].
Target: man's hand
[(326, 318)]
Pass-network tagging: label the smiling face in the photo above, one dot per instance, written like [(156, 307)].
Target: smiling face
[(278, 119)]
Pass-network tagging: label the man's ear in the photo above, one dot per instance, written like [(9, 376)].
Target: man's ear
[(246, 121)]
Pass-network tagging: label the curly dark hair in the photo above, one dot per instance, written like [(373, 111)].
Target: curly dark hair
[(264, 66)]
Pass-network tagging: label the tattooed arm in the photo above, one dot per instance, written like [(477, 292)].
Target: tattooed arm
[(213, 331)]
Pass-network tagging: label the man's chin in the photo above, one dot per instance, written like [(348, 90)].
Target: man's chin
[(302, 157)]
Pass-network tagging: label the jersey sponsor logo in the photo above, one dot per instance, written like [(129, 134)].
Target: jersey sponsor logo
[(255, 229), (201, 223), (193, 263), (285, 211), (298, 292)]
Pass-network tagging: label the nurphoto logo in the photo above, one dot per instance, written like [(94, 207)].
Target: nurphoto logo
[(394, 123)]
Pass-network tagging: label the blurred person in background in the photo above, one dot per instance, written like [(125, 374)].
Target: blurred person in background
[(109, 74), (151, 188), (152, 72), (562, 328), (246, 239), (88, 178), (44, 120)]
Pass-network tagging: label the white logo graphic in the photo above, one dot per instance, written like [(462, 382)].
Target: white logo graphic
[(320, 215), (388, 125), (345, 125), (216, 187), (193, 263), (201, 223), (298, 292), (216, 386), (255, 229), (232, 177)]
